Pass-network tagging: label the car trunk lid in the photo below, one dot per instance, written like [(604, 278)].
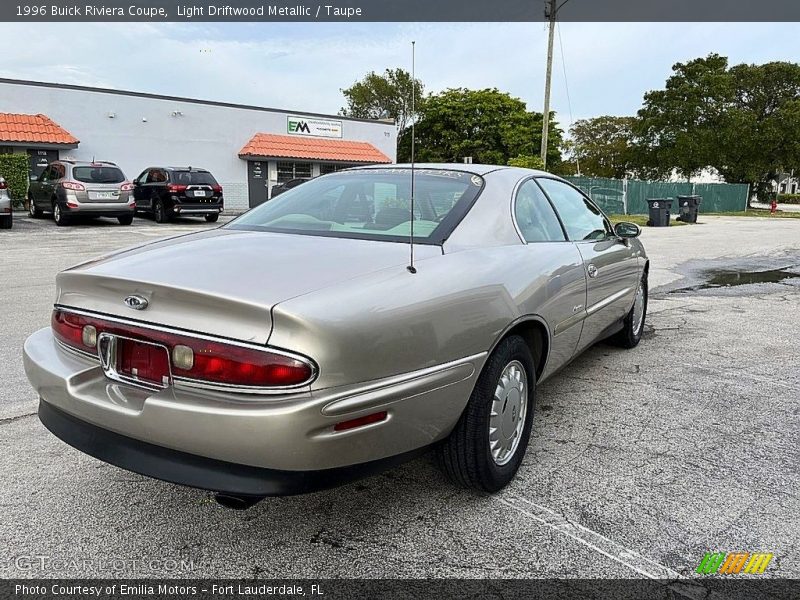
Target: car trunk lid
[(223, 282)]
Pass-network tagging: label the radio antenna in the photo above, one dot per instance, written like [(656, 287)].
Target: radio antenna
[(411, 268)]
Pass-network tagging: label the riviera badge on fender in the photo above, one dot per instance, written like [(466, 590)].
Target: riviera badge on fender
[(136, 302)]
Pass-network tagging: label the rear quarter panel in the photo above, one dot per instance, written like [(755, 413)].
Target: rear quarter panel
[(393, 322)]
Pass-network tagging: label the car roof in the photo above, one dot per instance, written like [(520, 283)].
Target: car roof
[(87, 163), (192, 169), (476, 168)]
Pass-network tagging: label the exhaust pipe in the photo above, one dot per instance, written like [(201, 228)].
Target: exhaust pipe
[(235, 502)]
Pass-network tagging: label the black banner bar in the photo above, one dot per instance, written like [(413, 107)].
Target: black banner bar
[(399, 10), (717, 588)]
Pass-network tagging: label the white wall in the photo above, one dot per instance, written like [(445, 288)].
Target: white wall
[(206, 136)]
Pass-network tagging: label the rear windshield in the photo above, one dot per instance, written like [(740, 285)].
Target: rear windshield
[(193, 178), (98, 174), (370, 204)]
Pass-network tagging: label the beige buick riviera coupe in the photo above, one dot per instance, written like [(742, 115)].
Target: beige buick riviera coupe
[(297, 348)]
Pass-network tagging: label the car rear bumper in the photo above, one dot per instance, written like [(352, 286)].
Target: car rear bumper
[(285, 433), (185, 208), (99, 209), (197, 471)]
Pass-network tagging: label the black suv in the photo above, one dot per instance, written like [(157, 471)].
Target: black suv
[(167, 192)]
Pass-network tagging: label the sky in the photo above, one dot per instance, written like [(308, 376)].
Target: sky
[(303, 67)]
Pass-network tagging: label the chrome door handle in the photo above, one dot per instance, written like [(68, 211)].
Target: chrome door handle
[(591, 270)]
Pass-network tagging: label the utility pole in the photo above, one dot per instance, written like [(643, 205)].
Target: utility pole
[(549, 12)]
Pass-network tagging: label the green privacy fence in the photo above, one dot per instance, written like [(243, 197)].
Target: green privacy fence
[(617, 196)]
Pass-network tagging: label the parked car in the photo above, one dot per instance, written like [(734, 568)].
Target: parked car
[(69, 188), (307, 350), (286, 185), (6, 210), (167, 192)]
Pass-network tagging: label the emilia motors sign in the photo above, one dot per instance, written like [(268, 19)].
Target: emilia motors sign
[(313, 127)]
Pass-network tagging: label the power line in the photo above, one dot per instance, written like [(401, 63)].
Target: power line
[(566, 86)]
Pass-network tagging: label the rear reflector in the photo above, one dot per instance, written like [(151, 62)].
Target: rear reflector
[(361, 421), (193, 358)]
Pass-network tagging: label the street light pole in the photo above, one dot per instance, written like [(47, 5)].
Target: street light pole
[(550, 13)]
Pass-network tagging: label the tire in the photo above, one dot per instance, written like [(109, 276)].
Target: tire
[(6, 222), (58, 216), (35, 213), (632, 327), (212, 218), (467, 456), (126, 220), (159, 212)]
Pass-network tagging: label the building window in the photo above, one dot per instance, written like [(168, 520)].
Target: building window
[(293, 170), (326, 168)]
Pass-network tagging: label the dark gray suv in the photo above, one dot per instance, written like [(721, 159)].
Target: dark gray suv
[(68, 188)]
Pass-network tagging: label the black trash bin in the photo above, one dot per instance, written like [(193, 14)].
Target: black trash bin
[(659, 211), (689, 206)]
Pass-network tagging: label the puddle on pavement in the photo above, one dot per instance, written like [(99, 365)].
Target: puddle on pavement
[(732, 278), (727, 279)]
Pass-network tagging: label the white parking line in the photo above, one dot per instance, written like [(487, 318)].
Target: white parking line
[(607, 547)]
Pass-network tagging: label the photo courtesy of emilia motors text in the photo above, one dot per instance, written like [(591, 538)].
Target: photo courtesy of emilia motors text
[(399, 299)]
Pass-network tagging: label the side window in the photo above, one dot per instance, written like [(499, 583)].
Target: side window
[(142, 178), (45, 176), (535, 217), (581, 219), (58, 172)]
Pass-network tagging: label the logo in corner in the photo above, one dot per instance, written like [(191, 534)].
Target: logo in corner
[(136, 302)]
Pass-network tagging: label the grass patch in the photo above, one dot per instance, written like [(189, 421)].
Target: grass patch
[(641, 220), (757, 212)]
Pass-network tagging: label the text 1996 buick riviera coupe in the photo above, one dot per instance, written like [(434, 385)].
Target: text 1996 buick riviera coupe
[(305, 352)]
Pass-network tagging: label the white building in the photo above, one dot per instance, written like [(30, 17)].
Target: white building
[(247, 148)]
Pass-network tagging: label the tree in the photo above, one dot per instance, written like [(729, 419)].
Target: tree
[(679, 127), (529, 161), (602, 145), (761, 137), (490, 126), (744, 121), (383, 96)]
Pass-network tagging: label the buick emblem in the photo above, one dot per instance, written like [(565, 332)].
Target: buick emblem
[(136, 302)]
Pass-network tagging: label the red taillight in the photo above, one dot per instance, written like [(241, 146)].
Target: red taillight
[(217, 188), (361, 421), (126, 187), (211, 361), (73, 185), (176, 188), (3, 184), (68, 328)]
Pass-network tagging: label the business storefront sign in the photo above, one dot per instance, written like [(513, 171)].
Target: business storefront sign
[(314, 127)]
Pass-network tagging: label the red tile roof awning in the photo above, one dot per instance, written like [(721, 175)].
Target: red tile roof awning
[(268, 145), (34, 129)]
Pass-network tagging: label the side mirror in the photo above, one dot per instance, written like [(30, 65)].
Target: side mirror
[(627, 230)]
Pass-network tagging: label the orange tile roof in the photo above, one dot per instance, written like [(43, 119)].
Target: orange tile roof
[(288, 146), (33, 128)]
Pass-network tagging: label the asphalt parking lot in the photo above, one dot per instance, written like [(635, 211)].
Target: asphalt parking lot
[(641, 460)]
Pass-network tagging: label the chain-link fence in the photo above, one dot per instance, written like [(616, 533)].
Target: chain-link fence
[(629, 196)]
